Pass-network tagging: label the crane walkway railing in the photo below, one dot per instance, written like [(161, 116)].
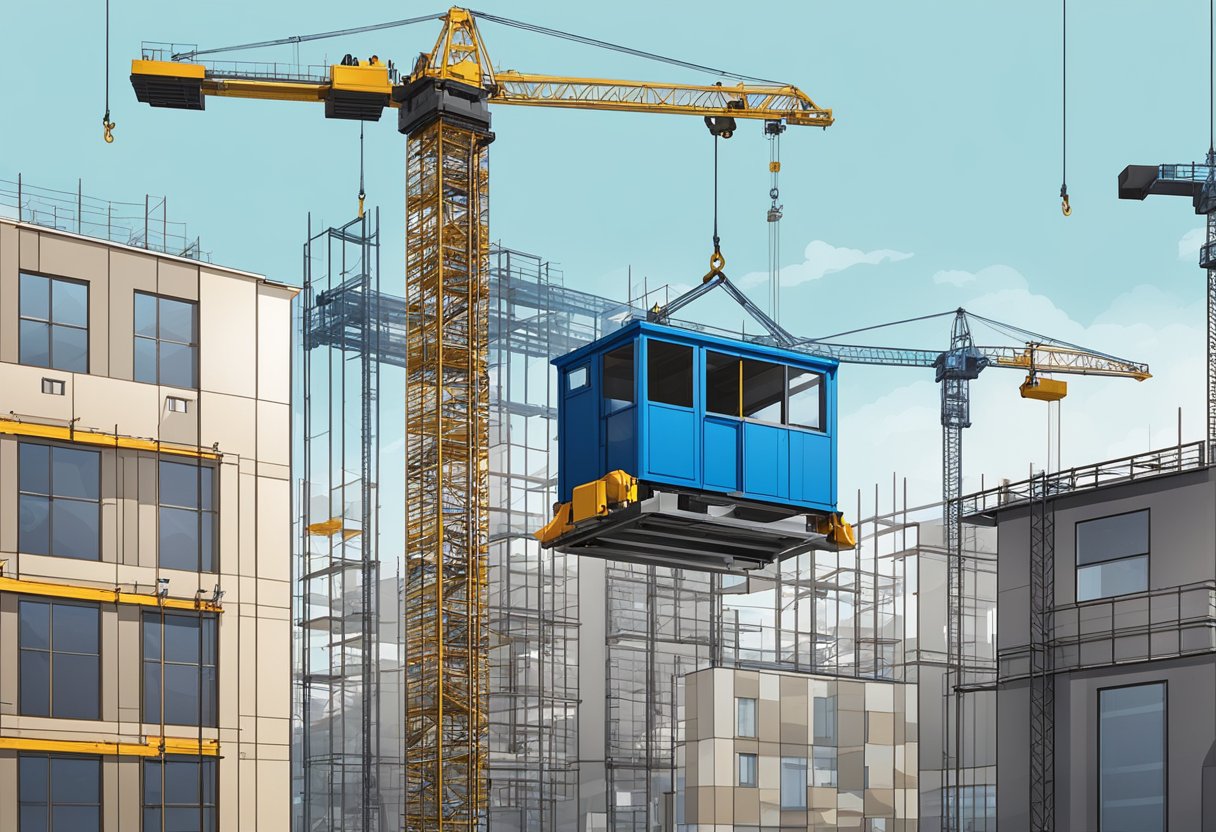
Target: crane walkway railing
[(1186, 457)]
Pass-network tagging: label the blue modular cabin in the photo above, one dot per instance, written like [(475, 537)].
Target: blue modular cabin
[(698, 412)]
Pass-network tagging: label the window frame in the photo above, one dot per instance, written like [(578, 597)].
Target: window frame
[(1165, 747), (204, 516), (610, 404), (193, 345), (1146, 555), (755, 716), (754, 769), (741, 392), (51, 803), (571, 387), (804, 803), (50, 321), (651, 342), (50, 652), (205, 720), (51, 497), (199, 809)]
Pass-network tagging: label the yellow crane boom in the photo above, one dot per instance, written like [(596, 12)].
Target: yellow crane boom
[(442, 108)]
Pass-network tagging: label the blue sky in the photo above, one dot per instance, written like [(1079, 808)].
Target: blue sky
[(938, 181)]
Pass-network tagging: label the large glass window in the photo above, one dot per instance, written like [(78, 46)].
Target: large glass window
[(747, 770), (166, 340), (179, 795), (179, 669), (824, 758), (722, 379), (669, 373), (53, 323), (618, 378), (59, 497), (745, 717), (187, 516), (1131, 759), (60, 665), (793, 782), (58, 793), (763, 390), (1112, 555)]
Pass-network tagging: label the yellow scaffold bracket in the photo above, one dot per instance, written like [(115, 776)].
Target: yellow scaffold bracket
[(838, 530)]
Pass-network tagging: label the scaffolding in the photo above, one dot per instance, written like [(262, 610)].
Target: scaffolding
[(347, 767)]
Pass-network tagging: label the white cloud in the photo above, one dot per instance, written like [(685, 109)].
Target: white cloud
[(954, 277), (822, 259), (1188, 245), (889, 417)]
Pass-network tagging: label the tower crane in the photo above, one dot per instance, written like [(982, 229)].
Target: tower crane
[(442, 107)]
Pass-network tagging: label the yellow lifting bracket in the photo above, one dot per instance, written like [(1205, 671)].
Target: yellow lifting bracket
[(838, 530), (597, 498)]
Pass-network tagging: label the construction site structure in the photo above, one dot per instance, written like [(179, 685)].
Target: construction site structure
[(443, 109)]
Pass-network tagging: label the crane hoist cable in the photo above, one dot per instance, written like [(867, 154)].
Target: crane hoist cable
[(362, 193), (773, 130), (107, 126), (1065, 206)]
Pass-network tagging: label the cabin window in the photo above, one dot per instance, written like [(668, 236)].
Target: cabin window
[(804, 407), (669, 373), (722, 380), (618, 378), (763, 390), (577, 378)]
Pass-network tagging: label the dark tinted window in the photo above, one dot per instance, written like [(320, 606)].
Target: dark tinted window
[(669, 373), (58, 497), (763, 390), (185, 680), (59, 793), (1131, 759), (1112, 555), (180, 793), (166, 340), (60, 660), (618, 378), (187, 516), (53, 323), (722, 383)]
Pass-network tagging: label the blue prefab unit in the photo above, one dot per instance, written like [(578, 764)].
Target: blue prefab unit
[(701, 413)]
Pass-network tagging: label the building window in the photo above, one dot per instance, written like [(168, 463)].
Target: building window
[(669, 373), (745, 717), (824, 760), (187, 516), (59, 498), (179, 669), (747, 770), (53, 323), (60, 664), (53, 386), (59, 793), (578, 378), (179, 795), (1112, 555), (618, 378), (825, 720), (1131, 758), (166, 340), (793, 782), (176, 404)]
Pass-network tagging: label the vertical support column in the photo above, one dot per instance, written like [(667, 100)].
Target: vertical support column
[(446, 476), (1042, 676), (1211, 356)]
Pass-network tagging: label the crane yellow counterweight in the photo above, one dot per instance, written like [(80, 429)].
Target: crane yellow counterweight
[(443, 110)]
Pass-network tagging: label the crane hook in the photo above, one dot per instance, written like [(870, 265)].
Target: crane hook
[(1065, 207), (716, 262), (107, 128)]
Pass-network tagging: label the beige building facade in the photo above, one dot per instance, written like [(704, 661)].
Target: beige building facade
[(767, 750), (145, 596)]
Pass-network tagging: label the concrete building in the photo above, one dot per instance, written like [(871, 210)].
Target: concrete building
[(1106, 681), (145, 633), (771, 750)]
